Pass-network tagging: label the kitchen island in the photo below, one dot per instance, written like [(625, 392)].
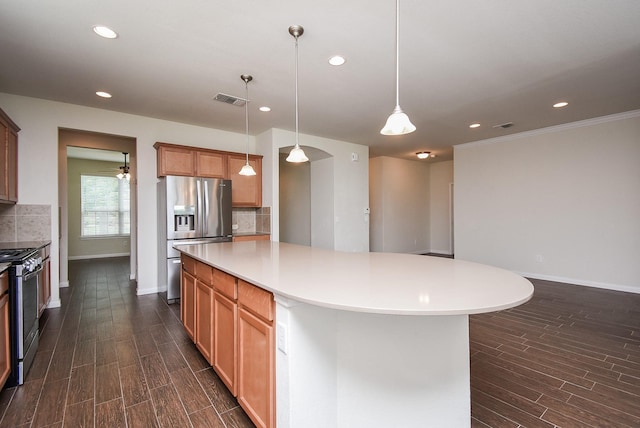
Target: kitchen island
[(368, 339)]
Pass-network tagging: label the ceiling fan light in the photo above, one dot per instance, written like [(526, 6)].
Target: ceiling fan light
[(247, 170), (120, 175), (296, 155), (398, 123)]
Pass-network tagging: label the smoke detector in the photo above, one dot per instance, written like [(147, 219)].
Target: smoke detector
[(230, 99)]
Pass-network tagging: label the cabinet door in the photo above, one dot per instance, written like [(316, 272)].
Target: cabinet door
[(204, 320), (256, 370), (211, 165), (176, 161), (5, 335), (246, 191), (188, 302), (12, 166), (224, 339), (4, 171)]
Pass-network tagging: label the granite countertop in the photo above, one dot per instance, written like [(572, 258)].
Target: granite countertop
[(4, 266), (383, 283), (16, 245), (251, 234)]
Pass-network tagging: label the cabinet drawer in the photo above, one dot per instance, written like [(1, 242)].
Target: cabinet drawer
[(204, 273), (189, 264), (255, 299), (225, 284)]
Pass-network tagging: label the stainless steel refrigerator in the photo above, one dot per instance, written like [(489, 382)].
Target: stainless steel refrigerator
[(191, 210)]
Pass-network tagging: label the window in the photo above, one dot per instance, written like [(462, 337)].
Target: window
[(105, 206)]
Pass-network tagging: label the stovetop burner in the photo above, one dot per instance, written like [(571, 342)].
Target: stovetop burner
[(12, 254)]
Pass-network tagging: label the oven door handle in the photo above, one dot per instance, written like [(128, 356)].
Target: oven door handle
[(30, 275)]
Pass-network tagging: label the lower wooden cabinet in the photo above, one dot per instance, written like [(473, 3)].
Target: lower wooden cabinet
[(5, 335), (188, 302), (44, 285), (204, 320), (225, 312), (256, 369)]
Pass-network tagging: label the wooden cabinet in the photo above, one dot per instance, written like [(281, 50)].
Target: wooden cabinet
[(5, 334), (246, 190), (175, 160), (44, 282), (251, 238), (188, 296), (8, 159), (256, 354), (233, 324), (225, 328), (211, 164), (204, 319), (187, 161)]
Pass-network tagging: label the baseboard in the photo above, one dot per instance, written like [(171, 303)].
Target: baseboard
[(54, 303), (132, 277), (594, 284), (63, 284), (99, 256), (441, 252), (144, 291)]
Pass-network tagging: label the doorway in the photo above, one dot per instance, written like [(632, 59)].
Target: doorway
[(90, 154)]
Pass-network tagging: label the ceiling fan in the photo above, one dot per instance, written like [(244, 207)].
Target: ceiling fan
[(124, 169)]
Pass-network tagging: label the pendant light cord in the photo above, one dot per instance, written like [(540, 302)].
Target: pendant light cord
[(297, 145), (397, 53), (246, 115)]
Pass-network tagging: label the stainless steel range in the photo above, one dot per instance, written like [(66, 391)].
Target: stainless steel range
[(23, 294)]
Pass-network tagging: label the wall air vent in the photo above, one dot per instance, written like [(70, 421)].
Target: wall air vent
[(504, 125), (230, 99)]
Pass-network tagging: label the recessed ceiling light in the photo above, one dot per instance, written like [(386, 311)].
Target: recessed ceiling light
[(423, 155), (103, 94), (337, 60), (265, 108), (474, 125), (561, 104), (105, 32)]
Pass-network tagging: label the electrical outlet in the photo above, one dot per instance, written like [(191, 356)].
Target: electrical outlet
[(282, 337)]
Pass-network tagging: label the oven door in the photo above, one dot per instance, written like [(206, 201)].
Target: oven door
[(26, 319)]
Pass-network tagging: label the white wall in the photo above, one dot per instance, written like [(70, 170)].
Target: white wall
[(295, 202), (400, 212), (440, 178), (322, 213), (351, 184), (561, 203), (39, 121)]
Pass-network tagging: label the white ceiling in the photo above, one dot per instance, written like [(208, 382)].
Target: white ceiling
[(461, 61)]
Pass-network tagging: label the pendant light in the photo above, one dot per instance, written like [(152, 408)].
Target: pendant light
[(124, 170), (398, 122), (297, 154), (247, 169)]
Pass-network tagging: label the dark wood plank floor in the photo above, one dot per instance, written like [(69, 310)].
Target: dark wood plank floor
[(108, 358), (570, 357)]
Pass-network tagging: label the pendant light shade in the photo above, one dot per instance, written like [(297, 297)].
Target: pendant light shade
[(247, 169), (398, 122), (297, 154), (124, 169)]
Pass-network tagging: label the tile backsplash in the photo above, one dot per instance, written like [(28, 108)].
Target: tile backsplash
[(251, 220), (25, 222)]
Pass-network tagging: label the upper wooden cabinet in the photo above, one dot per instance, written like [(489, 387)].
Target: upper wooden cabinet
[(246, 191), (187, 161), (8, 159), (175, 160)]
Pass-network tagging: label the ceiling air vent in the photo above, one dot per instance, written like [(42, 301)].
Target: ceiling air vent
[(504, 125), (230, 99)]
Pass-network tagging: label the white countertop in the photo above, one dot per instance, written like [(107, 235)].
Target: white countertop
[(385, 283)]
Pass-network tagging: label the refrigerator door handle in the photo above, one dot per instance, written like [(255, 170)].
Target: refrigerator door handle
[(205, 195), (199, 217)]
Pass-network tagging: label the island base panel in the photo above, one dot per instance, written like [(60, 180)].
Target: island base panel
[(345, 369)]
